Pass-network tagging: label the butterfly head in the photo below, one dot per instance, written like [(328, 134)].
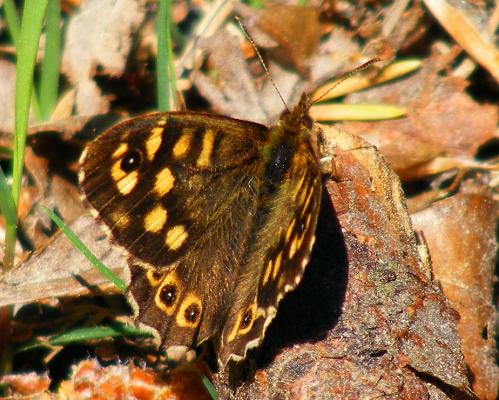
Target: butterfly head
[(298, 120)]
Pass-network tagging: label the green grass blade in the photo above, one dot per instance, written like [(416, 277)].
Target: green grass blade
[(49, 77), (165, 66), (27, 46), (78, 245), (13, 25), (12, 19), (8, 210), (172, 77), (7, 205), (209, 387), (256, 3), (7, 151), (83, 334)]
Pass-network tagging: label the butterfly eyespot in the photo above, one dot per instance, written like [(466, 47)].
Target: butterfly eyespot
[(154, 277), (131, 161), (301, 227), (192, 313), (168, 295), (157, 275), (246, 320)]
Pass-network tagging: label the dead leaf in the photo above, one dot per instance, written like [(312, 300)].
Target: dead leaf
[(296, 31), (442, 120), (30, 384), (7, 83), (237, 93), (60, 270), (460, 233), (99, 36), (467, 25), (89, 378)]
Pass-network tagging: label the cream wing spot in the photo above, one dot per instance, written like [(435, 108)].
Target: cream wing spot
[(300, 239), (232, 334), (154, 277), (277, 265), (244, 322), (164, 182), (175, 237), (307, 200), (268, 270), (290, 230), (127, 184), (116, 172), (155, 220), (120, 220), (124, 181), (153, 142), (204, 159), (120, 151), (293, 247), (183, 144)]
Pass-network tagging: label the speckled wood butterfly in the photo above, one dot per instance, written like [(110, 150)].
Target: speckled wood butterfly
[(217, 216)]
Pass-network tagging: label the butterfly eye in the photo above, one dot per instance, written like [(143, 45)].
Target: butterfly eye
[(131, 161), (168, 295), (246, 320), (307, 122), (192, 313)]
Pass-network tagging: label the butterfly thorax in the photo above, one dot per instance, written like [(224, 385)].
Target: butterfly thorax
[(292, 131)]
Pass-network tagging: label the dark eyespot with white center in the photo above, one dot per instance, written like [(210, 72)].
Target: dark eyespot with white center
[(192, 313), (168, 295), (301, 227), (131, 161), (246, 319)]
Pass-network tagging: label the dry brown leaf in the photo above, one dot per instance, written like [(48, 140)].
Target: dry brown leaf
[(91, 380), (7, 83), (442, 119), (237, 93), (60, 270), (99, 36), (467, 24), (296, 32), (30, 384), (460, 233)]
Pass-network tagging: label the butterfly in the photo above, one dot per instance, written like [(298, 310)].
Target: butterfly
[(217, 216)]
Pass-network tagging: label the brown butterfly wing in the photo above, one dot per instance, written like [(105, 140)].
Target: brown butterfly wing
[(278, 256), (178, 192)]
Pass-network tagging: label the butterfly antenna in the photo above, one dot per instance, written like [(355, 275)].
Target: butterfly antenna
[(243, 28), (346, 76)]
